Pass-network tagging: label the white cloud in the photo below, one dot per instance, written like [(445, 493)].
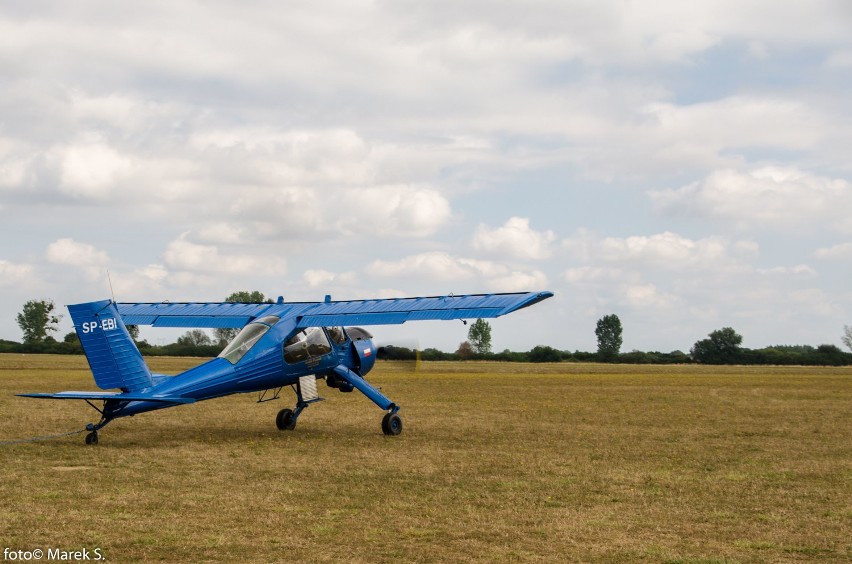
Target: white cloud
[(841, 251), (402, 210), (73, 253), (12, 274), (782, 197), (184, 256), (840, 60), (145, 283), (221, 232), (592, 275), (14, 164), (799, 270), (317, 277), (648, 296), (514, 239), (667, 250), (442, 267), (93, 170), (347, 150), (527, 281), (438, 266)]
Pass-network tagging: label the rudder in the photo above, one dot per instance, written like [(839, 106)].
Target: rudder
[(113, 357)]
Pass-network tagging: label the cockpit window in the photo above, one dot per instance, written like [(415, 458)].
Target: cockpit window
[(358, 334), (246, 338), (306, 344), (336, 334)]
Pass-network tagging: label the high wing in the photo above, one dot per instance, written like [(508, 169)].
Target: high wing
[(390, 311)]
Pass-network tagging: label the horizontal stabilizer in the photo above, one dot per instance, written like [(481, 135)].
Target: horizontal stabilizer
[(118, 396)]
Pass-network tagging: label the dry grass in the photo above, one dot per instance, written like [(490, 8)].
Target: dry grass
[(498, 462)]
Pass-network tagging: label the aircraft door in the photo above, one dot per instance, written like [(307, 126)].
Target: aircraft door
[(309, 346)]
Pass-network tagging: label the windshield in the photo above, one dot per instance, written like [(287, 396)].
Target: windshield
[(246, 339)]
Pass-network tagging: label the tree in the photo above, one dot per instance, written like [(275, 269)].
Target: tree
[(479, 336), (543, 353), (194, 338), (608, 331), (465, 350), (225, 336), (37, 320), (722, 347), (133, 330), (847, 336)]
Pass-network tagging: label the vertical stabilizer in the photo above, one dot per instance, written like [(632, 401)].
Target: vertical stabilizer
[(113, 357)]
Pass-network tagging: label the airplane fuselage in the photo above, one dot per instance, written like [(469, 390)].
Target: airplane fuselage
[(265, 366)]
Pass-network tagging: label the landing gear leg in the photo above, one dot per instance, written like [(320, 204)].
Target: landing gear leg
[(286, 418), (92, 436), (391, 423)]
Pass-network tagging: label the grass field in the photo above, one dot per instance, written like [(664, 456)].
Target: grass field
[(498, 462)]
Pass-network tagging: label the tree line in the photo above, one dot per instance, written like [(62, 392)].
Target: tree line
[(38, 319)]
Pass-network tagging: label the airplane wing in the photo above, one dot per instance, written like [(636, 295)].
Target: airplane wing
[(219, 315), (389, 311)]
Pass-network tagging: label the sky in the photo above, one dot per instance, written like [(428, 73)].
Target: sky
[(683, 165)]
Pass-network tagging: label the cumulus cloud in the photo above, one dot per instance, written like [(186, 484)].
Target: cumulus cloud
[(348, 149), (443, 267), (12, 274), (666, 250), (320, 277), (514, 239), (221, 232), (799, 271), (515, 281), (782, 197), (648, 296), (92, 170), (145, 283), (841, 251), (402, 210), (589, 275), (182, 255), (74, 253)]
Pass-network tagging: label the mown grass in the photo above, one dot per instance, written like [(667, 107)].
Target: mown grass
[(498, 462)]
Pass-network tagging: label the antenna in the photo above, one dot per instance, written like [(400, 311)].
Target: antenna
[(110, 286)]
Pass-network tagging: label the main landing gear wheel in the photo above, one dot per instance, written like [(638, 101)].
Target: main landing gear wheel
[(92, 438), (392, 424), (285, 420)]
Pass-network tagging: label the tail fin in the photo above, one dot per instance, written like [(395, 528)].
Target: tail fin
[(113, 357)]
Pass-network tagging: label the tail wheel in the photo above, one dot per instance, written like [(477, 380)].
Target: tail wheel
[(285, 420), (392, 424), (92, 438)]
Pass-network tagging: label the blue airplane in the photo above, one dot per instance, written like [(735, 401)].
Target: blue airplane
[(280, 344)]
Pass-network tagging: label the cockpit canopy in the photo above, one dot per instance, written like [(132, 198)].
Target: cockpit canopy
[(311, 342), (246, 338)]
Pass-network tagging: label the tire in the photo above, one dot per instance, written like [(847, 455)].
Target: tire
[(92, 438), (285, 421), (392, 424)]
